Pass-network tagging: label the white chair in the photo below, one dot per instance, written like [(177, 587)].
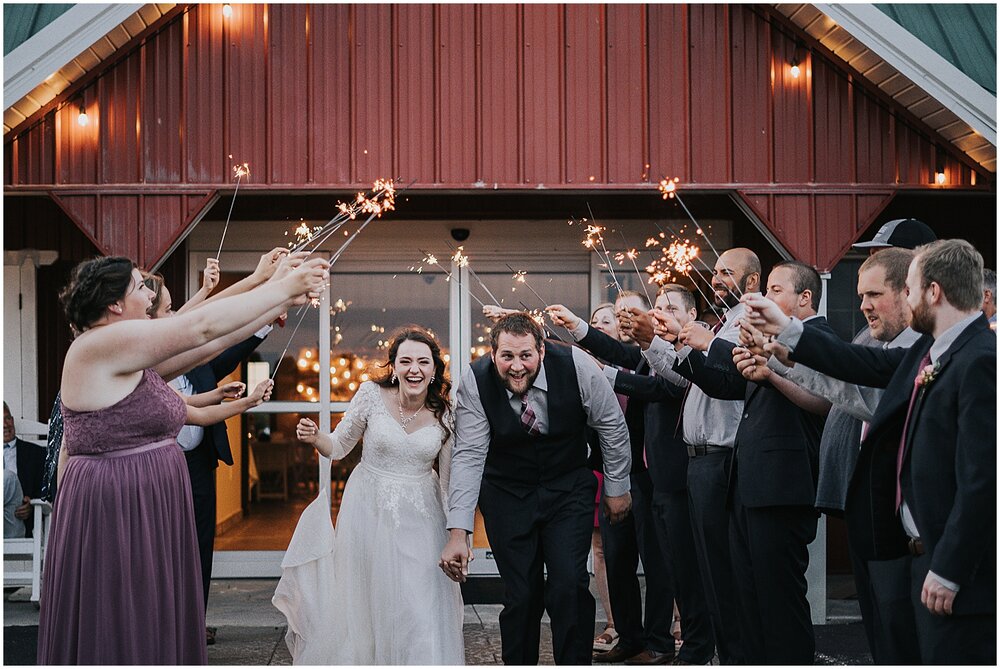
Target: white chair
[(23, 558)]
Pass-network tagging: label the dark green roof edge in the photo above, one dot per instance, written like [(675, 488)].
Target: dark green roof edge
[(963, 34), (22, 21)]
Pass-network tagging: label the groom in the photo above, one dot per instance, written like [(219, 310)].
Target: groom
[(521, 452)]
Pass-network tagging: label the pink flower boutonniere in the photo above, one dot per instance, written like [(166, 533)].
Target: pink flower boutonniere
[(927, 375)]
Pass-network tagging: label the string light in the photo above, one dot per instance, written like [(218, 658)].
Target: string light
[(227, 10)]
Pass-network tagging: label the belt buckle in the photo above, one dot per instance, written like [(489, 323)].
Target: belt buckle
[(916, 547)]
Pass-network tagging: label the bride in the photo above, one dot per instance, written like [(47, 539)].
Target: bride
[(371, 592)]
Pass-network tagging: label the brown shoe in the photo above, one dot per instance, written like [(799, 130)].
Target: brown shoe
[(650, 657), (616, 654)]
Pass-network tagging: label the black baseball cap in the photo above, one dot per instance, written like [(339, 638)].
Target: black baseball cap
[(903, 233)]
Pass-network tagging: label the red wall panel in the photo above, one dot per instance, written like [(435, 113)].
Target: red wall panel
[(834, 159), (543, 94), (628, 127), (458, 98), (586, 140), (119, 108), (118, 224), (372, 94), (205, 112), (414, 83), (709, 72), (751, 98), (248, 91), (288, 101), (161, 215), (792, 223), (875, 141), (330, 94), (502, 64), (669, 92), (792, 113), (163, 84)]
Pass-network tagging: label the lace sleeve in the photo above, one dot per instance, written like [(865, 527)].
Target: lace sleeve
[(444, 459), (352, 426)]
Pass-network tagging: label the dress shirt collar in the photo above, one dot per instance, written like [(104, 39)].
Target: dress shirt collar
[(948, 337), (11, 444), (540, 382)]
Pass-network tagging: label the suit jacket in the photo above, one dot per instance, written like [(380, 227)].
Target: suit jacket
[(948, 475), (205, 378), (777, 443), (651, 415), (30, 472)]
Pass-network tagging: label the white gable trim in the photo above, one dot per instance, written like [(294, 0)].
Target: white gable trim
[(920, 64), (57, 44)]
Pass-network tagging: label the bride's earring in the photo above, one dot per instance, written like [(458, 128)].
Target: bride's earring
[(432, 379), (394, 377)]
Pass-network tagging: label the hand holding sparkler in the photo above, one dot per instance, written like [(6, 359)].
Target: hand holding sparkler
[(665, 325), (495, 312), (288, 263), (306, 282), (268, 263), (752, 367), (752, 339), (262, 393), (638, 325), (210, 279), (233, 390), (697, 335), (765, 314), (561, 315)]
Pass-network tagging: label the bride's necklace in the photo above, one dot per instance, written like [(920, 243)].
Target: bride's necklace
[(403, 420)]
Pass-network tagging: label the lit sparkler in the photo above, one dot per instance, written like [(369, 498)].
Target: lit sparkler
[(239, 171), (520, 276), (431, 260), (632, 254)]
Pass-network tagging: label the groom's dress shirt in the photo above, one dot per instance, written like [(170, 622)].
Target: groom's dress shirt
[(472, 434), (706, 421)]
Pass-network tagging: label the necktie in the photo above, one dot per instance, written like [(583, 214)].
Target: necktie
[(906, 425), (528, 419), (718, 326)]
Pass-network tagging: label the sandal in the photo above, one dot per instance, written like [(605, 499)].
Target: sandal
[(606, 640)]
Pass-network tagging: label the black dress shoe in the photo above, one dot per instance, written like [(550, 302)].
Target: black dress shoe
[(616, 654), (650, 657), (210, 636)]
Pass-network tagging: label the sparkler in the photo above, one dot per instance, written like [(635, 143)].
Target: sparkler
[(304, 309), (669, 189), (594, 233), (239, 171), (462, 260), (431, 260), (520, 276), (631, 254)]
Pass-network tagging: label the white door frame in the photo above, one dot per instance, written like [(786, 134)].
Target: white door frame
[(20, 375)]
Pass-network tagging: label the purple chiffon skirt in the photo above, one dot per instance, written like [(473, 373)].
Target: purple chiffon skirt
[(122, 582)]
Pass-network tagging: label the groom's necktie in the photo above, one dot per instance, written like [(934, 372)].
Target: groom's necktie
[(528, 419), (906, 424)]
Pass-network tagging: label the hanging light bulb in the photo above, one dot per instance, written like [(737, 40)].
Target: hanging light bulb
[(796, 70), (939, 178), (83, 119), (227, 10)]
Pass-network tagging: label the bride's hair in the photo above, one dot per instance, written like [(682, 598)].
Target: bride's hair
[(438, 391)]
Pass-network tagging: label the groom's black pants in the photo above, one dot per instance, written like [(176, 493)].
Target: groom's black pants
[(535, 530)]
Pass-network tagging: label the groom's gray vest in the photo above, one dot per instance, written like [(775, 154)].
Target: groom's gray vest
[(519, 461)]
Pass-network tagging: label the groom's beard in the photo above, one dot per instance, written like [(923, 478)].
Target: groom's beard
[(922, 318), (528, 382)]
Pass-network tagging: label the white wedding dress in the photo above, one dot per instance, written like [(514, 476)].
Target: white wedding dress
[(371, 592)]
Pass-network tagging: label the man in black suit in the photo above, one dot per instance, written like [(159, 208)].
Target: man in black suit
[(24, 467), (772, 481), (927, 470), (205, 447), (659, 489), (521, 452)]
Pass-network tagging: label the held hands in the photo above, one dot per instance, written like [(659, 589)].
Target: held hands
[(211, 277), (456, 556), (560, 315), (616, 508), (752, 367), (286, 264), (764, 314), (665, 326), (751, 338)]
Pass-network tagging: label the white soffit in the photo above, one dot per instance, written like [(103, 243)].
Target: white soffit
[(64, 51), (908, 71)]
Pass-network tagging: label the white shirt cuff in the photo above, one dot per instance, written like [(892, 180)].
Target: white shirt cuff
[(611, 373), (791, 334), (945, 582), (264, 331), (778, 367), (615, 488), (580, 331)]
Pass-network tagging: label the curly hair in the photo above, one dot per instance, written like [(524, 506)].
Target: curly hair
[(438, 391), (93, 286)]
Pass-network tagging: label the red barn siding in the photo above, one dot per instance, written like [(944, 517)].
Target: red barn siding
[(461, 96)]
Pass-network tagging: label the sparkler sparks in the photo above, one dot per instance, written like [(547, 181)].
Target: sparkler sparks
[(239, 171), (668, 187)]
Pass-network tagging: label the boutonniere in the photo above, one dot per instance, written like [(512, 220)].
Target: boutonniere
[(927, 375)]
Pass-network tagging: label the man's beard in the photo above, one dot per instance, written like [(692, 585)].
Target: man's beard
[(528, 382), (922, 318), (729, 299)]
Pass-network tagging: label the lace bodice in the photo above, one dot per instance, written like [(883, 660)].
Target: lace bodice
[(387, 445)]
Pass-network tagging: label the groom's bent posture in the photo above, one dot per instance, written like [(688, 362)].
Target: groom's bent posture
[(521, 452)]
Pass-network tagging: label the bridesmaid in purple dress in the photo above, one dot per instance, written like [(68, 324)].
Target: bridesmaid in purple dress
[(122, 573)]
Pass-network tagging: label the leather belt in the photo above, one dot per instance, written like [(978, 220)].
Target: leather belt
[(695, 451), (916, 547)]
